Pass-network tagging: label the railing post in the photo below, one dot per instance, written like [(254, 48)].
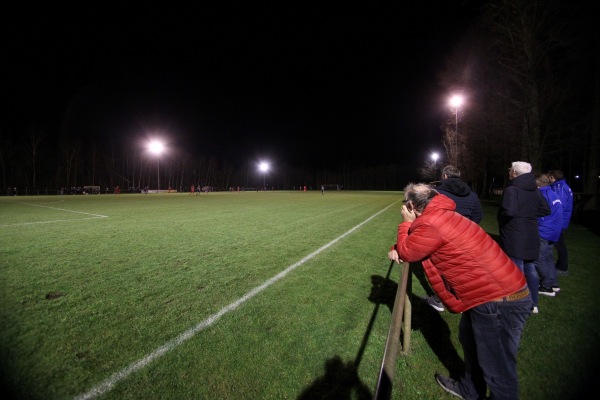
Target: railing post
[(390, 355)]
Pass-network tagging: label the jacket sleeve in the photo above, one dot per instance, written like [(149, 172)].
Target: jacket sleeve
[(567, 206), (417, 241), (543, 208)]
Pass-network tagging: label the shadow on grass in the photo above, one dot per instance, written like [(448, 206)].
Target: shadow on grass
[(434, 328), (341, 380)]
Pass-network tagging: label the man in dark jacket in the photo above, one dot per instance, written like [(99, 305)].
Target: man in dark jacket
[(522, 204), (467, 205), (467, 202)]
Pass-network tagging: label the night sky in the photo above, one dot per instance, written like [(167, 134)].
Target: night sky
[(302, 84)]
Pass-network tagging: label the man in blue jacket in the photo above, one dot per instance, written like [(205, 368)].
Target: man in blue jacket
[(522, 204), (550, 228), (560, 187)]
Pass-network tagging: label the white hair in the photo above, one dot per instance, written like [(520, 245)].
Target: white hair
[(521, 167)]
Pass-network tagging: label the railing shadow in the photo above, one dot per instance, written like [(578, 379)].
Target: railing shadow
[(341, 380)]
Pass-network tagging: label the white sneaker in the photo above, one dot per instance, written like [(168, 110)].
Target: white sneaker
[(535, 310)]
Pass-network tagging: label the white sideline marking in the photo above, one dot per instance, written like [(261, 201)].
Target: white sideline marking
[(108, 384), (93, 216), (50, 221)]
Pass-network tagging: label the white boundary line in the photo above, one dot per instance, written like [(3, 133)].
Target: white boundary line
[(93, 216), (108, 384)]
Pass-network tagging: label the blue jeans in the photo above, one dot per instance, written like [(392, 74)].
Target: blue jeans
[(490, 335), (545, 264), (531, 275)]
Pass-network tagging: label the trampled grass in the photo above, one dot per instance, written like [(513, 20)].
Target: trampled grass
[(142, 297)]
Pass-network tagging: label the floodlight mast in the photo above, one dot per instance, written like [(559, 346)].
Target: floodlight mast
[(455, 102), (264, 167), (156, 147), (434, 157)]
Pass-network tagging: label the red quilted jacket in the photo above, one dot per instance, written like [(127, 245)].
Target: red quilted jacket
[(463, 264)]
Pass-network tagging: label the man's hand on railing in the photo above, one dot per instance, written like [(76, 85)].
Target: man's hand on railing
[(393, 256)]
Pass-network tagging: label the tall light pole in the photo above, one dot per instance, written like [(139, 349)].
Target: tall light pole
[(455, 102), (264, 167), (434, 157), (156, 147)]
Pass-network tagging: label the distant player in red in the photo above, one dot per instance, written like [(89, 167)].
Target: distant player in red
[(192, 189)]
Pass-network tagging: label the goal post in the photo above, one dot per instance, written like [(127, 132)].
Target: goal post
[(331, 186)]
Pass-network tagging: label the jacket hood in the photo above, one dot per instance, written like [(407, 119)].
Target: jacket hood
[(440, 202), (455, 186), (525, 182)]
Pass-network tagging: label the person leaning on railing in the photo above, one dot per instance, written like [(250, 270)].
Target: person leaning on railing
[(471, 275)]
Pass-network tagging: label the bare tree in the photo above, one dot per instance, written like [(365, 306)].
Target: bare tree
[(33, 141), (528, 36)]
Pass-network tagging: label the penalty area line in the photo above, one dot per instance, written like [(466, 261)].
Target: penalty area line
[(91, 216), (51, 221), (65, 210), (109, 383)]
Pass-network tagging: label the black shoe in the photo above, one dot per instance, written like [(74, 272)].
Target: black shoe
[(546, 292), (435, 303), (449, 385), (562, 272)]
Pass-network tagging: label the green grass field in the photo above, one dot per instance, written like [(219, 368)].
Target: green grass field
[(255, 295)]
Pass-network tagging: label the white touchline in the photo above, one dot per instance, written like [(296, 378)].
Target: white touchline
[(62, 209), (108, 384)]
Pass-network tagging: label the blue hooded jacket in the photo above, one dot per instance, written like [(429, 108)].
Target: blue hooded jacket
[(551, 226), (566, 198)]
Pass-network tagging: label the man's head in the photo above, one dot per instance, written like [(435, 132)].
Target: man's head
[(555, 175), (518, 168), (542, 180), (419, 195), (450, 171)]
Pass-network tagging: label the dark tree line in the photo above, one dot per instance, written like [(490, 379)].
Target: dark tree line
[(35, 164), (529, 73)]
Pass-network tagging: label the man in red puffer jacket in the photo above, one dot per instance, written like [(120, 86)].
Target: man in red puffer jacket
[(471, 274)]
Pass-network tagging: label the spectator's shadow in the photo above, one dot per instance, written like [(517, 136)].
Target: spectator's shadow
[(341, 380), (434, 328)]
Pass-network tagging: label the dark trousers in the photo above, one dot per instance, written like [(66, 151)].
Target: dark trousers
[(545, 264), (490, 334), (562, 262)]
